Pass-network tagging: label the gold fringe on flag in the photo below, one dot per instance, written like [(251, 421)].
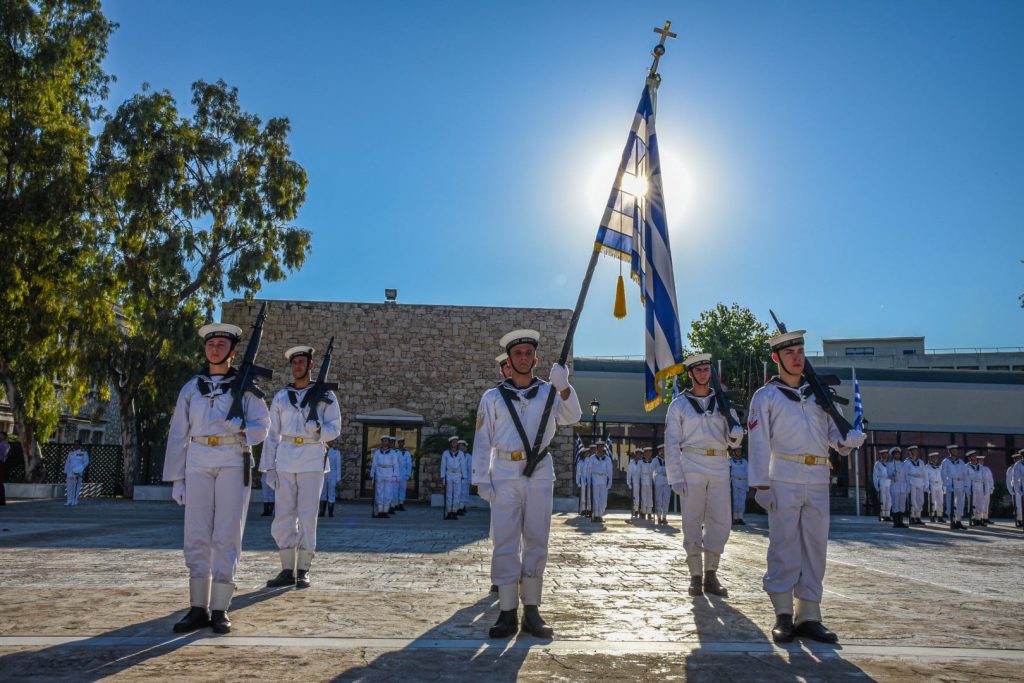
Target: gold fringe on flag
[(620, 300)]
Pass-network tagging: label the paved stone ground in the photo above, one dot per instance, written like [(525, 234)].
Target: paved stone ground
[(91, 593)]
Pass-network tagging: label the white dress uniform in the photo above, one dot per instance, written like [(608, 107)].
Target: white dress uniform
[(633, 481), (467, 475), (382, 472), (74, 467), (601, 471), (583, 481), (977, 485), (453, 469), (933, 475), (900, 486), (520, 506), (646, 469), (954, 474), (268, 493), (405, 473), (789, 439), (697, 462), (205, 452), (882, 480), (1015, 485), (332, 476), (738, 476), (917, 479), (661, 488)]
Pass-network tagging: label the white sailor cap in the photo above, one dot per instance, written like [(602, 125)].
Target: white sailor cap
[(696, 359), (453, 437), (1018, 454), (952, 446), (661, 446), (463, 442), (501, 359), (787, 339), (388, 437), (232, 332), (912, 447), (894, 450), (400, 438), (971, 452), (933, 454), (519, 337), (593, 445), (300, 350)]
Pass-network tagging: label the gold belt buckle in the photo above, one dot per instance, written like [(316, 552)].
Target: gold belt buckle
[(810, 460), (517, 456), (212, 441), (711, 451), (298, 440)]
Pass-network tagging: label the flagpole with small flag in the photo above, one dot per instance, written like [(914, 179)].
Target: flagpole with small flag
[(858, 423)]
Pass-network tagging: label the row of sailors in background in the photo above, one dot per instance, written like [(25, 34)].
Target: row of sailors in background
[(456, 474), (951, 486), (390, 470)]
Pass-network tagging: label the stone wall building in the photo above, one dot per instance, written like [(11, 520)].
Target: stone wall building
[(401, 369)]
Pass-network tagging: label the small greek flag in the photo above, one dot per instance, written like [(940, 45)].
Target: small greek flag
[(634, 229), (858, 407), (579, 448)]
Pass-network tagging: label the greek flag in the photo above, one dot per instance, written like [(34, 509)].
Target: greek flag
[(634, 229), (858, 407), (579, 448)]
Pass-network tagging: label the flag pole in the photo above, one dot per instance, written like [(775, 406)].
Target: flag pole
[(563, 357)]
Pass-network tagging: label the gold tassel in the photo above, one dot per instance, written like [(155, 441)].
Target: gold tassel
[(620, 300)]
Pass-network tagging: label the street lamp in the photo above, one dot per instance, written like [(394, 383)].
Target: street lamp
[(595, 406)]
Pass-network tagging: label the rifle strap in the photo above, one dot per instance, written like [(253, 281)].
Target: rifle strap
[(507, 395), (700, 410)]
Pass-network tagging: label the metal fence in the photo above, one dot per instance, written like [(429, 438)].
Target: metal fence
[(106, 466)]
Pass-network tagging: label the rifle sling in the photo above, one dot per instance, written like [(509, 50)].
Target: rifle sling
[(506, 395)]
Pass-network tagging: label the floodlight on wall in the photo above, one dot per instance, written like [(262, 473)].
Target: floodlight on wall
[(390, 296)]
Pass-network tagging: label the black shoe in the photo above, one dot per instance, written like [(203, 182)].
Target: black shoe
[(534, 624), (783, 631), (887, 518), (266, 510), (712, 586), (506, 626), (696, 587), (599, 520), (815, 631), (285, 578), (196, 618), (323, 508), (494, 588), (461, 511), (741, 522), (960, 525), (302, 579), (220, 622), (400, 508), (330, 509)]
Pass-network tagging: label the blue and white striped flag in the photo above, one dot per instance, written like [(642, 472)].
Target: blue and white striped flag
[(858, 407), (579, 448), (634, 228)]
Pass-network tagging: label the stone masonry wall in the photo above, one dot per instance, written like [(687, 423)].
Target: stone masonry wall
[(435, 361)]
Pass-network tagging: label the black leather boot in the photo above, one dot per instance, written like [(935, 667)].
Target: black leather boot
[(196, 618), (696, 586), (323, 508), (220, 621), (783, 631), (815, 631), (506, 626), (534, 624), (330, 509), (302, 579), (266, 510), (712, 586), (285, 578)]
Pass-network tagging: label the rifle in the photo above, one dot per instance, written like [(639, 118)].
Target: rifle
[(318, 392), (722, 400), (821, 394), (245, 381)]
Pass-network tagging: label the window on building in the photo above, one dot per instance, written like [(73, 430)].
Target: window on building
[(97, 437), (909, 352), (860, 350)]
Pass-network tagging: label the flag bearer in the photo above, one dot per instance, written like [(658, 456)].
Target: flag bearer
[(600, 480), (738, 475), (452, 471), (933, 474), (790, 434), (508, 420), (697, 439), (74, 471), (331, 478), (207, 459), (917, 479)]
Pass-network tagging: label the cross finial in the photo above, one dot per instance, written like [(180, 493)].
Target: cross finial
[(659, 49)]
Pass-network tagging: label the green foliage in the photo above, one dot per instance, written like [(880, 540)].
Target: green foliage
[(464, 427), (53, 280), (734, 335)]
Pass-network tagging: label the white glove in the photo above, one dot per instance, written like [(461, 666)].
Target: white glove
[(178, 491), (485, 491), (854, 439), (271, 479), (680, 487), (736, 436), (233, 425), (766, 499), (559, 377), (312, 427)]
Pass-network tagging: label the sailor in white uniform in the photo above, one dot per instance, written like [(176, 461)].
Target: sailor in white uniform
[(646, 469), (208, 460), (917, 479), (452, 471), (738, 475), (976, 483), (508, 420), (988, 487), (790, 436), (933, 475), (382, 472), (697, 439), (661, 487), (600, 480), (405, 465), (329, 493), (954, 474), (295, 459), (900, 487), (467, 470), (1015, 485), (881, 477), (633, 480), (74, 471), (583, 479)]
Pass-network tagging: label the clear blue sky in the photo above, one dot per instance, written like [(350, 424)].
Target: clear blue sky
[(857, 166)]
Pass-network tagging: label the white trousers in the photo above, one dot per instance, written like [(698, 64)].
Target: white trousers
[(647, 496), (706, 520), (382, 493), (520, 527), (899, 499), (739, 497), (885, 497), (636, 495), (73, 485), (661, 491), (465, 491), (216, 504), (329, 492), (295, 510), (585, 493), (916, 500), (599, 495), (977, 500), (935, 496), (797, 540), (957, 501), (403, 484), (453, 493), (983, 505), (1017, 499)]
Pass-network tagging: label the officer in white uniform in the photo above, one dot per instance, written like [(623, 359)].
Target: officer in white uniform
[(933, 475), (295, 459), (954, 474), (404, 472), (452, 471), (467, 474), (917, 479), (583, 480), (697, 439), (900, 487), (881, 477), (206, 460), (633, 480), (600, 468), (520, 506), (646, 470), (1015, 485), (738, 475), (790, 435), (988, 489), (661, 487), (329, 493), (74, 470), (976, 482), (382, 471)]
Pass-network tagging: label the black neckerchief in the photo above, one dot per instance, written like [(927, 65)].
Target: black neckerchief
[(661, 461), (204, 382), (526, 393), (696, 404), (799, 395), (510, 391)]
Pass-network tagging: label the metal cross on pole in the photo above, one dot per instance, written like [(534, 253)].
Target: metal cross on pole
[(659, 49)]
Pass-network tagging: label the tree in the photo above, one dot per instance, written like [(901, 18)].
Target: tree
[(193, 206), (734, 335), (52, 280)]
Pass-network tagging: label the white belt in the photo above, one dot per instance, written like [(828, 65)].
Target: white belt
[(599, 474), (802, 458), (216, 440), (703, 451), (514, 456), (298, 440)]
